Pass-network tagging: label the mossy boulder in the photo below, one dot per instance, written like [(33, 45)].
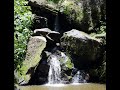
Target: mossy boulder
[(72, 10), (81, 45), (35, 47)]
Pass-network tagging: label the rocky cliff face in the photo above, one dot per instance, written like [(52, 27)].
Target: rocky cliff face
[(82, 37), (84, 15)]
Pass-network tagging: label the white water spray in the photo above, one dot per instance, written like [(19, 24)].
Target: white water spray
[(78, 78), (54, 76)]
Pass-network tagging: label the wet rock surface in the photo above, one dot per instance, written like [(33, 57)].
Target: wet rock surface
[(87, 49)]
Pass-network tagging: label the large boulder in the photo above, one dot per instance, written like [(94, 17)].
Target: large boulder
[(35, 47), (87, 49)]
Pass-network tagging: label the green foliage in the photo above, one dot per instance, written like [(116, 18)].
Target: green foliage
[(23, 18), (67, 62), (70, 7), (101, 33)]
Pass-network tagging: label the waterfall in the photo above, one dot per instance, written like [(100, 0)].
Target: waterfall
[(58, 63), (54, 76), (56, 24), (78, 78)]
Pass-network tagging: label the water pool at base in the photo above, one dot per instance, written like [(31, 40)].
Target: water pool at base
[(76, 86)]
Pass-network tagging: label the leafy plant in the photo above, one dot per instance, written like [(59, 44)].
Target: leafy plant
[(23, 19)]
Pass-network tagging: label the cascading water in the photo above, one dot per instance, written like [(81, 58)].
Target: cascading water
[(78, 78), (56, 24), (54, 76)]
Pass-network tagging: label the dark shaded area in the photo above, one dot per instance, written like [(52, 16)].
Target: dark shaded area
[(39, 22), (41, 72), (65, 22), (94, 11), (43, 11)]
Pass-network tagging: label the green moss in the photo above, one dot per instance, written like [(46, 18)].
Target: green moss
[(32, 59), (66, 62), (69, 64), (70, 8)]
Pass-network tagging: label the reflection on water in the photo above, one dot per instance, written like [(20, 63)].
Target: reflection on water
[(84, 86)]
